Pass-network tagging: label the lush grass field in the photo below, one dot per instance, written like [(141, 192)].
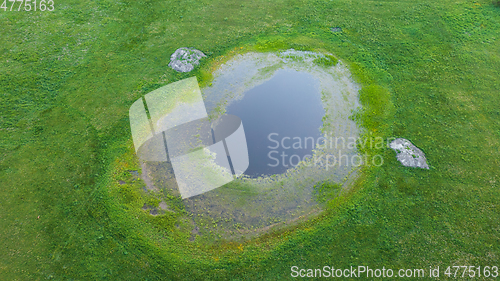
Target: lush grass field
[(430, 72)]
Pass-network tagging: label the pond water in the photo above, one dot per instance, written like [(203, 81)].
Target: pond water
[(285, 109), (288, 105)]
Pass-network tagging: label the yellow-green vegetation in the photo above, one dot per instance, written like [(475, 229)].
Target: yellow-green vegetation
[(429, 72), (328, 60)]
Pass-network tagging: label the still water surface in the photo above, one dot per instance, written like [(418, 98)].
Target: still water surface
[(286, 109)]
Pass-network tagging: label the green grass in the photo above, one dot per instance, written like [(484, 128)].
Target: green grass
[(67, 79), (328, 60)]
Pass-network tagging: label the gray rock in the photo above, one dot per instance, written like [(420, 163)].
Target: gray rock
[(184, 59), (408, 154), (336, 29)]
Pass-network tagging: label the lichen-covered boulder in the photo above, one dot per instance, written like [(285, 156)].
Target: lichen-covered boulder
[(408, 154), (184, 59)]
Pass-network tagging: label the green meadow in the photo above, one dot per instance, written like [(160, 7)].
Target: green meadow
[(70, 209)]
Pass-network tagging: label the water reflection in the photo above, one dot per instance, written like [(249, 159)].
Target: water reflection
[(278, 114)]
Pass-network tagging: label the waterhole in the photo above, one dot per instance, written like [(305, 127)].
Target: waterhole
[(280, 112), (295, 110)]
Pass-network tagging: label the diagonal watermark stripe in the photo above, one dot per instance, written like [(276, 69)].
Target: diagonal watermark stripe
[(204, 155)]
